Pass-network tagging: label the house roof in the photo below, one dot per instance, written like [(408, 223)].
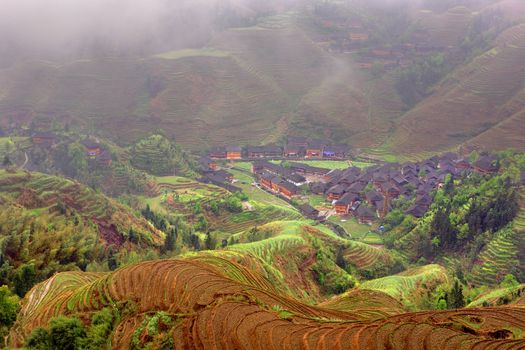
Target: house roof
[(339, 148), (255, 149), (44, 134), (356, 187), (424, 199), (417, 210), (317, 144), (337, 189), (233, 149), (487, 163), (365, 212), (293, 149), (89, 143), (308, 210), (104, 156), (289, 186), (347, 199), (296, 178), (374, 196), (449, 156), (222, 174), (400, 179), (272, 149), (218, 149), (318, 187)]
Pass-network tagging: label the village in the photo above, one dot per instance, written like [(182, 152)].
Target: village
[(364, 193), (353, 36)]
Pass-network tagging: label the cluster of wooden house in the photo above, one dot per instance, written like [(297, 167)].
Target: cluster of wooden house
[(296, 148), (94, 150), (368, 193)]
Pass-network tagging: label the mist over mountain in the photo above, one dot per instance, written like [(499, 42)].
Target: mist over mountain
[(62, 29)]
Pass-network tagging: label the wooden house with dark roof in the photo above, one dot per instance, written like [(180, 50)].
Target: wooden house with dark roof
[(462, 164), (255, 152), (336, 192), (296, 179), (43, 138), (380, 179), (223, 175), (348, 179), (309, 211), (272, 151), (424, 199), (399, 180), (315, 149), (266, 180), (287, 189), (392, 191), (233, 153), (374, 197), (365, 215), (338, 151), (105, 158), (343, 205), (318, 188), (207, 164), (293, 151), (333, 175), (486, 165), (93, 148), (217, 153), (356, 187), (417, 210)]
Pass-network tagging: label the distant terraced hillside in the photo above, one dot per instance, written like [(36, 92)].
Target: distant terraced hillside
[(213, 303), (39, 194), (480, 104)]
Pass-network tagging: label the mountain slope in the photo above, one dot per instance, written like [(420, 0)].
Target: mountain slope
[(477, 98)]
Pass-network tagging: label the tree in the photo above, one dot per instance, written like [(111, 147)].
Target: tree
[(442, 304), (7, 161), (211, 241), (24, 279), (509, 281), (456, 300), (171, 240), (66, 333), (112, 260), (195, 241), (8, 310)]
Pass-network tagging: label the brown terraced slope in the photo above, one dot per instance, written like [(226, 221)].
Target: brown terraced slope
[(214, 303)]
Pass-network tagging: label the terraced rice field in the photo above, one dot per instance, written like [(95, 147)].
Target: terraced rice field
[(408, 286), (364, 256), (221, 304), (38, 191), (502, 254)]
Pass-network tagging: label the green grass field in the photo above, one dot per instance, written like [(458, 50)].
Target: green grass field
[(352, 227)]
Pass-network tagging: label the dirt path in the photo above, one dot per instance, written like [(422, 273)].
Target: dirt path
[(25, 161)]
